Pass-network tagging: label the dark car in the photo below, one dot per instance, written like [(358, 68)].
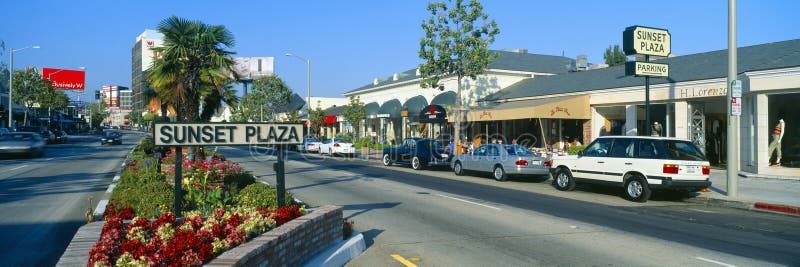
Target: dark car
[(46, 134), (22, 143), (60, 136), (419, 152), (111, 137)]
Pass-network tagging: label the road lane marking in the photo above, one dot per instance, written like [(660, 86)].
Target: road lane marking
[(403, 260), (470, 202), (704, 211), (713, 261), (17, 168)]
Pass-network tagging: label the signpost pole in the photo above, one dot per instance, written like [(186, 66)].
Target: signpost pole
[(280, 176), (176, 189), (647, 100), (732, 167)]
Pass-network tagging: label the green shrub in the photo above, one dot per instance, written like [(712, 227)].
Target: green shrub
[(146, 145), (573, 150), (260, 195), (237, 182), (148, 198)]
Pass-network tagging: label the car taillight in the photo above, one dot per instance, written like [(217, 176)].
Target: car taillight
[(548, 163), (336, 145), (670, 168), (706, 170), (521, 162)]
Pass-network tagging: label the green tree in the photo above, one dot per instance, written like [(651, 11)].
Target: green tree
[(192, 63), (269, 94), (135, 117), (456, 43), (29, 89), (97, 113), (614, 56), (316, 119), (355, 112)]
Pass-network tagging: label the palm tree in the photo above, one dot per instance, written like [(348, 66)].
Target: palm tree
[(193, 68)]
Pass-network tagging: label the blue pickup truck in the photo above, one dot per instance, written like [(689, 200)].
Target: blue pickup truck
[(418, 152)]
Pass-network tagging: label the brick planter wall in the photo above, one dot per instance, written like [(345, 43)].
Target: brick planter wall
[(288, 245)]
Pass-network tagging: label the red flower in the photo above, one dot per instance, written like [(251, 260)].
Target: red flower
[(285, 214), (126, 213), (234, 220)]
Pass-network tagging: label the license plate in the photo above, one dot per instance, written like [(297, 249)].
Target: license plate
[(536, 162), (445, 155), (691, 169)]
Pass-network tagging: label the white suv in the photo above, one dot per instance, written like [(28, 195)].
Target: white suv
[(637, 163)]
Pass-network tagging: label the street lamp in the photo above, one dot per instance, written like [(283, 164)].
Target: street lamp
[(308, 83), (11, 80)]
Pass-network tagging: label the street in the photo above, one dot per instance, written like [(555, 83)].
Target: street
[(43, 200), (434, 218)]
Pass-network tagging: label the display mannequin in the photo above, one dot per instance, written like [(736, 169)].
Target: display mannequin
[(777, 135)]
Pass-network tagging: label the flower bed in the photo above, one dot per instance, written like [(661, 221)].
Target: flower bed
[(166, 241)]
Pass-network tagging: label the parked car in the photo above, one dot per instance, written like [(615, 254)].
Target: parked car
[(22, 143), (111, 137), (418, 152), (337, 145), (638, 164), (46, 134), (60, 136), (309, 145), (502, 161), (4, 131)]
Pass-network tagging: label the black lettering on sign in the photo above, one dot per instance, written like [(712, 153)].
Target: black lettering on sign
[(208, 134), (249, 131), (180, 136), (260, 137), (193, 135), (166, 135), (293, 135), (230, 133), (218, 134), (272, 135), (283, 133)]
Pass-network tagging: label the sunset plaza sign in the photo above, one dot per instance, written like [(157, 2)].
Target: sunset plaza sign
[(227, 134)]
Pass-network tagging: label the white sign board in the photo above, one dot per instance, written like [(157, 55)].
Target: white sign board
[(639, 40), (736, 106), (736, 88), (646, 69), (227, 134), (251, 68)]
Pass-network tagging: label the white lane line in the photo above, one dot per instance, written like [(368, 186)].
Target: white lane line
[(713, 261), (49, 159), (704, 211), (17, 168), (470, 202)]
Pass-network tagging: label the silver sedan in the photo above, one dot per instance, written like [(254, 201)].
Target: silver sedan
[(22, 143), (501, 161)]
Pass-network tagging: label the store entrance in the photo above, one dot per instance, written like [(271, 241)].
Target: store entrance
[(707, 128)]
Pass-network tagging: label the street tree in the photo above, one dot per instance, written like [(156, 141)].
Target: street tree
[(316, 119), (455, 44), (97, 113), (614, 56), (269, 94), (355, 113), (30, 89)]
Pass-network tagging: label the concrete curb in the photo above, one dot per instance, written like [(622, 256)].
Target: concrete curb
[(767, 176), (746, 205), (339, 253)]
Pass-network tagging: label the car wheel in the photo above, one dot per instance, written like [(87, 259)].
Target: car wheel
[(564, 180), (458, 169), (387, 160), (416, 163), (499, 173), (637, 189)]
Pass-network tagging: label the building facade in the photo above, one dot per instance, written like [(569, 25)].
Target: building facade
[(691, 103), (142, 57)]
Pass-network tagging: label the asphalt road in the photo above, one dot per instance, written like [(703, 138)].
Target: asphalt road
[(43, 200), (434, 218)]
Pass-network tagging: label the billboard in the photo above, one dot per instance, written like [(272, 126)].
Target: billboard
[(251, 68), (65, 79)]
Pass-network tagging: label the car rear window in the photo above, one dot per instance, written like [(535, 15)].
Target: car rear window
[(518, 151), (683, 150)]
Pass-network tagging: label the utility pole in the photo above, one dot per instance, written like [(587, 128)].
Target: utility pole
[(733, 99)]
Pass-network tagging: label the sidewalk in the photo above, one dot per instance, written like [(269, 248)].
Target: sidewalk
[(754, 192)]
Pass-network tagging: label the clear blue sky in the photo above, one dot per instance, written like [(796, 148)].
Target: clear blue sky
[(352, 42)]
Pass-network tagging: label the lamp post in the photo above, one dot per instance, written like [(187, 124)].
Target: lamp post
[(308, 96), (11, 80)]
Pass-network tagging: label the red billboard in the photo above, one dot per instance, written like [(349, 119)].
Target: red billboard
[(65, 79)]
